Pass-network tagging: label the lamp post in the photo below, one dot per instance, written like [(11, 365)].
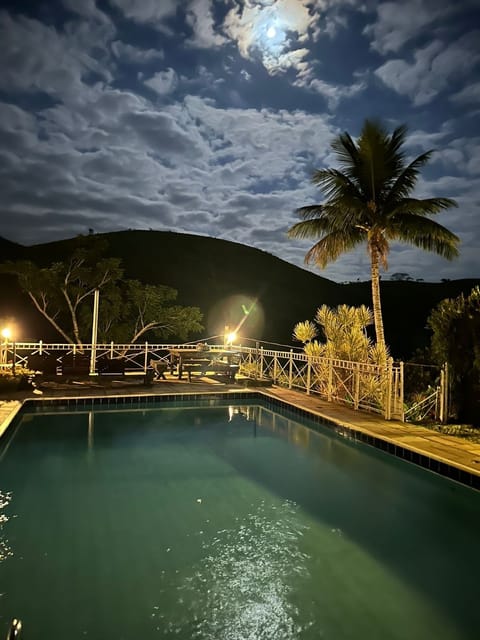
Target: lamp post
[(4, 346), (226, 331), (229, 337), (7, 334), (93, 354)]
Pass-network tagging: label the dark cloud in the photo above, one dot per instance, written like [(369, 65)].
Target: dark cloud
[(171, 115)]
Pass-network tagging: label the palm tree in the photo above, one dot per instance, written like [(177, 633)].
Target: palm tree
[(368, 200)]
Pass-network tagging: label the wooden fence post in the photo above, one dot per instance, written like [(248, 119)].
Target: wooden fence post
[(330, 380), (290, 370), (356, 399), (388, 386), (146, 358), (443, 392)]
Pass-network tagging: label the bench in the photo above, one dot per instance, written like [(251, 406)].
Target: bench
[(225, 368), (192, 365), (207, 367)]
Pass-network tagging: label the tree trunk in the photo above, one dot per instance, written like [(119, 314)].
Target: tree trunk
[(73, 315), (49, 318), (376, 301)]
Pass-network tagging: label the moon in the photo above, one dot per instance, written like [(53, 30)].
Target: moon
[(271, 32)]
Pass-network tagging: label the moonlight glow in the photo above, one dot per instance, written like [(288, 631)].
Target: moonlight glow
[(271, 32)]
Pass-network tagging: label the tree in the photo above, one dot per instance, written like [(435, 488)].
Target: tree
[(400, 277), (456, 329), (62, 293), (134, 309), (368, 199)]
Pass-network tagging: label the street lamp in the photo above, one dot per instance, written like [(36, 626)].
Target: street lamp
[(4, 346), (229, 337)]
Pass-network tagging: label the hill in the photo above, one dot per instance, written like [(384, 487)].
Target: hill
[(231, 282)]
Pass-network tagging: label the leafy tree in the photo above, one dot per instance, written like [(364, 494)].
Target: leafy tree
[(400, 277), (369, 200), (456, 330), (62, 293), (129, 312)]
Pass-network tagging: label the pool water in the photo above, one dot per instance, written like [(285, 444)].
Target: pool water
[(227, 523)]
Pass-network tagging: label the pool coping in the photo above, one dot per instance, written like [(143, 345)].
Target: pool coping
[(451, 469)]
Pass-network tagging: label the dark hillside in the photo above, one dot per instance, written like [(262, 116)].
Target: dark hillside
[(10, 250), (406, 307), (220, 277), (207, 272)]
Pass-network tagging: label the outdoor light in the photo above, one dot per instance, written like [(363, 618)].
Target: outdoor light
[(7, 334), (231, 337)]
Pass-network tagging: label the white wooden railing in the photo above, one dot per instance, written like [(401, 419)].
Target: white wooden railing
[(361, 386)]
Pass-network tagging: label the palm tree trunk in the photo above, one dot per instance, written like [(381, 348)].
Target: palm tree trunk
[(376, 301)]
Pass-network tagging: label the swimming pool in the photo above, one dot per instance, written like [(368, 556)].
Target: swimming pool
[(226, 522)]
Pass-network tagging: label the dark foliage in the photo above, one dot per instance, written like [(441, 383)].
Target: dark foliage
[(456, 339)]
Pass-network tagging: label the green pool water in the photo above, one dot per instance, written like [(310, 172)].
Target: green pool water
[(227, 523)]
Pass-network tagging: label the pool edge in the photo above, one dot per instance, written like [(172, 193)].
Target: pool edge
[(436, 464)]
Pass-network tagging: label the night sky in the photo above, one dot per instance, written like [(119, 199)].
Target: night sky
[(208, 117)]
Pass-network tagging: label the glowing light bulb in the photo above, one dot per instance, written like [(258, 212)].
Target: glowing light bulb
[(231, 337)]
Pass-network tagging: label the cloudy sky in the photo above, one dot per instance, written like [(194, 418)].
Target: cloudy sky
[(209, 116)]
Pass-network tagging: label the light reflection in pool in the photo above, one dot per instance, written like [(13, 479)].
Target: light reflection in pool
[(240, 589)]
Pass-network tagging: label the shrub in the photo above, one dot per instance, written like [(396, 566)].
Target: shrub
[(10, 382), (456, 326)]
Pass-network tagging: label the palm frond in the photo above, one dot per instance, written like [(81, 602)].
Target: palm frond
[(397, 139), (332, 245), (339, 214), (333, 183), (311, 211), (394, 156), (425, 234), (376, 163), (308, 229), (406, 181), (421, 207), (345, 150)]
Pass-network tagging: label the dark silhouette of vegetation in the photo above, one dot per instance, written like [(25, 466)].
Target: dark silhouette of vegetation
[(456, 331), (62, 293)]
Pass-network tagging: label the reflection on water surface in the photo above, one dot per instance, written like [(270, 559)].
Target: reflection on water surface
[(240, 589)]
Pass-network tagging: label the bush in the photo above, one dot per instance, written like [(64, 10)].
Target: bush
[(21, 380), (456, 327)]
